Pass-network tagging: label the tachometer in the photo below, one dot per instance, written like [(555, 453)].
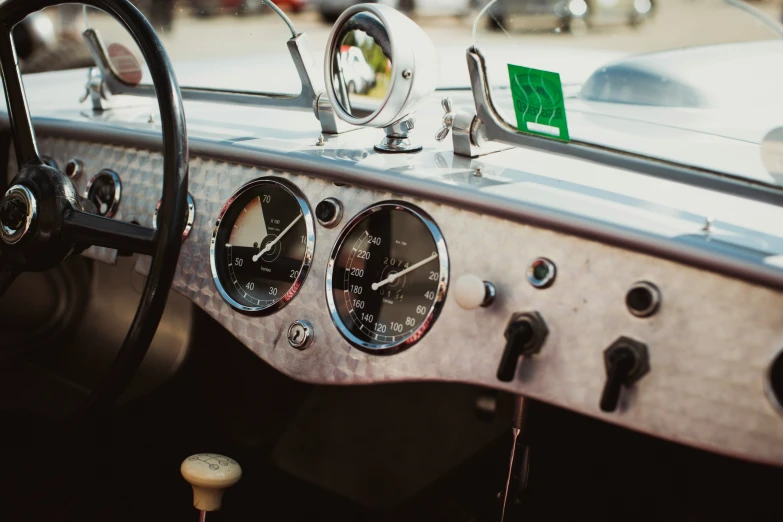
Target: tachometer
[(262, 246), (387, 277)]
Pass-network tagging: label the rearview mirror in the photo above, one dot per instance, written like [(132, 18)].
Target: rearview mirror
[(379, 66)]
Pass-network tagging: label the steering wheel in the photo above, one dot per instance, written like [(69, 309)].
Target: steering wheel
[(43, 219)]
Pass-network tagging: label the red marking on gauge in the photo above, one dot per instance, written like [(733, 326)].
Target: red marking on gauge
[(125, 63)]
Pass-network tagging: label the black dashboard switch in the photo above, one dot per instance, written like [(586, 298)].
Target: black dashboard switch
[(525, 335), (626, 361)]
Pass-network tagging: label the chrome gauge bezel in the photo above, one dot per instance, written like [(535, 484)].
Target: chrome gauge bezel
[(307, 262), (435, 308), (115, 204)]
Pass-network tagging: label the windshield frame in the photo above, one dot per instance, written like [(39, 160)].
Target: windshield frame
[(494, 128)]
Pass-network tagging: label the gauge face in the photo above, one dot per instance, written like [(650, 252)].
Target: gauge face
[(104, 191), (387, 277), (262, 246)]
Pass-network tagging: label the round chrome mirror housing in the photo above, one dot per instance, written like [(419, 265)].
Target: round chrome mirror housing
[(379, 66)]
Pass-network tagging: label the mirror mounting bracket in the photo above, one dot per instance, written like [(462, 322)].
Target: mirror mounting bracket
[(106, 81), (396, 139), (97, 90)]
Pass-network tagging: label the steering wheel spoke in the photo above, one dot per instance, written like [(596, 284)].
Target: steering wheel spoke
[(25, 143), (84, 228)]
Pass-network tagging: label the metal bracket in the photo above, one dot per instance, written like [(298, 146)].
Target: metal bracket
[(467, 134), (97, 90), (491, 127), (469, 137), (311, 97)]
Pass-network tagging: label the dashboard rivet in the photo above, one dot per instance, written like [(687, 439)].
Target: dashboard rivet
[(300, 334), (541, 273), (320, 142)]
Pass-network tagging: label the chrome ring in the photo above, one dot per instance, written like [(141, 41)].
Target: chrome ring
[(188, 224), (437, 305), (24, 195), (548, 279), (772, 397), (74, 168), (654, 296), (306, 261), (112, 210)]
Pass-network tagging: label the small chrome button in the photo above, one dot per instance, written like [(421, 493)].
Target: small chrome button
[(300, 334), (188, 224), (74, 168)]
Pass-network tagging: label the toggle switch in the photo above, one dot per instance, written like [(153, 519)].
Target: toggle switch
[(525, 335), (626, 361)]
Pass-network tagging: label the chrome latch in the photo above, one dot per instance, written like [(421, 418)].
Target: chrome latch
[(97, 90), (448, 119)]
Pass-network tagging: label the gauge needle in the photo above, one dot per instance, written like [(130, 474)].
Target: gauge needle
[(269, 246), (395, 276)]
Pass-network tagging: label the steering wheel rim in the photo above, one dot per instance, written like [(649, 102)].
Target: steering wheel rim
[(57, 223)]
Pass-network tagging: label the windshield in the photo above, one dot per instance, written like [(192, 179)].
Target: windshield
[(696, 82)]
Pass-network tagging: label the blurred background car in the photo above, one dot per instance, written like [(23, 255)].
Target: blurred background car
[(358, 74), (208, 8), (331, 9), (572, 15)]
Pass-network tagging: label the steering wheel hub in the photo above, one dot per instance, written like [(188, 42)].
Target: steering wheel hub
[(18, 211)]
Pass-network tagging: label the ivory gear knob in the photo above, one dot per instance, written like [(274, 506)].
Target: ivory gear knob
[(210, 474)]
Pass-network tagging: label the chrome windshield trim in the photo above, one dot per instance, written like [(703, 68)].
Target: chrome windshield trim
[(497, 130)]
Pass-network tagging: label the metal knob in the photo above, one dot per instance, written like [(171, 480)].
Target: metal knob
[(448, 119)]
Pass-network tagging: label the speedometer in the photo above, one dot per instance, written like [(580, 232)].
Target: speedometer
[(387, 277), (262, 246)]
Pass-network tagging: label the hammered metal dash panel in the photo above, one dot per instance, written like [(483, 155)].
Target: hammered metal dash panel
[(709, 345)]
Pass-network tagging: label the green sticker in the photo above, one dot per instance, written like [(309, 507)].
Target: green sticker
[(538, 102)]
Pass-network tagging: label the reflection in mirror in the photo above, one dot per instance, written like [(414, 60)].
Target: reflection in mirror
[(362, 68)]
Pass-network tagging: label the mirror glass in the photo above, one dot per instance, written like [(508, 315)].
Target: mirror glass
[(361, 65)]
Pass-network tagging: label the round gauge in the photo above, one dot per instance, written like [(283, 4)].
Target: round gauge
[(262, 246), (387, 277), (105, 190)]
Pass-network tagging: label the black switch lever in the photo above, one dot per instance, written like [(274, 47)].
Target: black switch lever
[(525, 335), (626, 362)]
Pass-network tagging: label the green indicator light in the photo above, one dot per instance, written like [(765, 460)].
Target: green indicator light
[(541, 271)]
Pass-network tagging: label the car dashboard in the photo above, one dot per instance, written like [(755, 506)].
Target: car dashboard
[(588, 271)]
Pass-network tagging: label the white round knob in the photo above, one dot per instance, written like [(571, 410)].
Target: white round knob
[(210, 474), (471, 292)]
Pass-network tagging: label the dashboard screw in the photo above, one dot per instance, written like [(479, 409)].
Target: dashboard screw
[(320, 142), (407, 73)]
